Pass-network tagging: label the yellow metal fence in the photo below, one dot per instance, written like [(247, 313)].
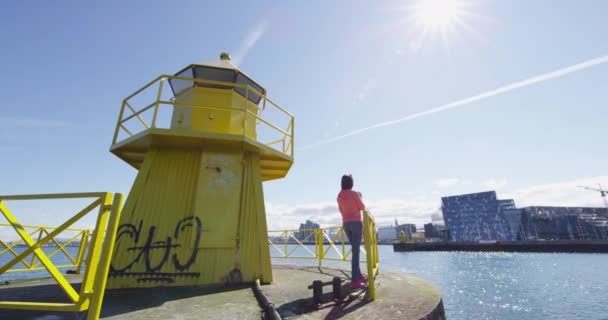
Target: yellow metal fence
[(96, 261), (371, 247), (330, 244), (155, 97), (81, 238)]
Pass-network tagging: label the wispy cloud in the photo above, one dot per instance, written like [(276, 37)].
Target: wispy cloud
[(463, 102), (422, 208), (413, 209), (33, 123), (446, 182), (563, 193), (494, 184), (251, 38)]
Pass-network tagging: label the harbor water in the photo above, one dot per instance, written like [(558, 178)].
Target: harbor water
[(502, 285), (486, 285), (510, 286)]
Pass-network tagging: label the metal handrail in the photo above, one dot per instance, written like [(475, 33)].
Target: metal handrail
[(288, 133), (321, 236), (97, 260), (371, 246)]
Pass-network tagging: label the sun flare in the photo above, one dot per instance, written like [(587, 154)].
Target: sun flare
[(432, 19), (438, 14)]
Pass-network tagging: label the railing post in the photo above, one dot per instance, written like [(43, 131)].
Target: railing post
[(369, 230), (286, 237), (158, 95), (99, 281), (245, 114), (82, 249), (41, 231), (292, 136), (319, 243), (119, 122)]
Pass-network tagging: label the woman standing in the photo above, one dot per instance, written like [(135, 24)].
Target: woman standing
[(351, 205)]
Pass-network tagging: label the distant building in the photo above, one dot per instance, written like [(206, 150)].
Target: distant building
[(481, 216), (564, 223), (477, 216), (387, 233), (408, 228), (436, 232), (306, 232)]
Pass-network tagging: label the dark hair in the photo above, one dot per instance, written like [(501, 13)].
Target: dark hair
[(347, 182)]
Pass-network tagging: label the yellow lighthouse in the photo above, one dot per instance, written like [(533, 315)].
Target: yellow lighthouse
[(203, 141)]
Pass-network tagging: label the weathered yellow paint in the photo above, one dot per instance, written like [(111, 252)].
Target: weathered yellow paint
[(195, 214), (230, 119), (222, 117), (253, 231), (193, 217)]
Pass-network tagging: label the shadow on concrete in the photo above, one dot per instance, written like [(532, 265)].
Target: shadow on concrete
[(333, 309), (323, 270), (116, 302), (37, 293), (345, 307), (144, 298)]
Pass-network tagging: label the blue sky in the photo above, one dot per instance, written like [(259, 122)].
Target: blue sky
[(338, 66)]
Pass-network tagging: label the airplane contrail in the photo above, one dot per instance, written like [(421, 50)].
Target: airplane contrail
[(250, 40), (462, 102)]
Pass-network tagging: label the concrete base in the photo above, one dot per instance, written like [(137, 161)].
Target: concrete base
[(399, 296)]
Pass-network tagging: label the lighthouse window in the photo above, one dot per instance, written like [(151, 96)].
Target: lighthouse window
[(242, 79), (178, 85), (214, 74)]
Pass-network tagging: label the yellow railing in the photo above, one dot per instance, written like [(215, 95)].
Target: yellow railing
[(371, 247), (81, 238), (98, 252), (293, 244), (159, 98)]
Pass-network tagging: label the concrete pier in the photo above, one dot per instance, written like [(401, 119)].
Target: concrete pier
[(399, 296)]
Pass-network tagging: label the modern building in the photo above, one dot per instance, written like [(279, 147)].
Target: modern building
[(306, 232), (436, 232), (477, 216), (387, 233), (513, 220), (481, 216), (563, 223)]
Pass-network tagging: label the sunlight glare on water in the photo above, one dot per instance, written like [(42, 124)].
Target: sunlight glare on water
[(511, 285)]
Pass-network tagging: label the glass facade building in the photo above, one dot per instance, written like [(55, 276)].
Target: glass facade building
[(477, 216), (564, 223)]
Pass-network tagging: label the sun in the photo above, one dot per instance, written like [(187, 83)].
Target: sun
[(438, 15), (433, 19)]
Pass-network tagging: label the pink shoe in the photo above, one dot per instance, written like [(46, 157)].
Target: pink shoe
[(357, 285)]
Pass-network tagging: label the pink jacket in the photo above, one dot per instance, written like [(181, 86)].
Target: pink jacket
[(350, 205)]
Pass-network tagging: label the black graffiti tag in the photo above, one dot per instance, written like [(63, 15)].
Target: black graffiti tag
[(155, 254)]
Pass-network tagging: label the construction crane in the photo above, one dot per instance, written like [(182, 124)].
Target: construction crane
[(603, 192)]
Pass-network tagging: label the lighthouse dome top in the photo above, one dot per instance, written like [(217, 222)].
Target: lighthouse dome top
[(223, 63), (220, 74)]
